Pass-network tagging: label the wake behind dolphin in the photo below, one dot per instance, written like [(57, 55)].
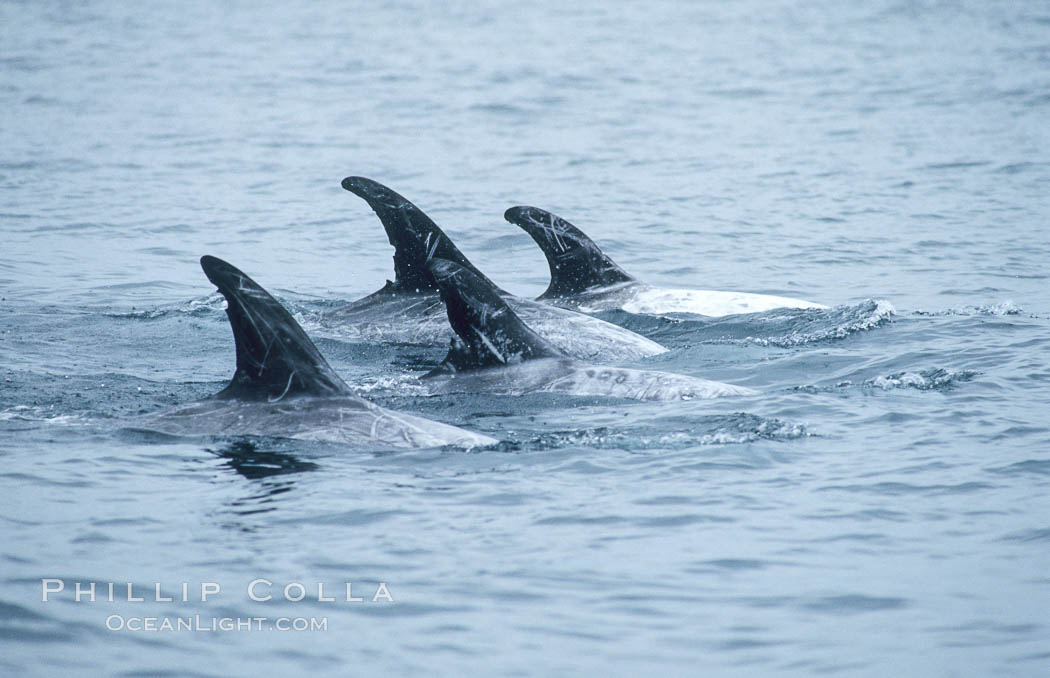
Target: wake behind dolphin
[(409, 310), (284, 387), (585, 278), (495, 352)]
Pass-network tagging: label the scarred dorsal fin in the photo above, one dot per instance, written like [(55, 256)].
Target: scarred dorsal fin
[(577, 264), (275, 358), (414, 235), (488, 332)]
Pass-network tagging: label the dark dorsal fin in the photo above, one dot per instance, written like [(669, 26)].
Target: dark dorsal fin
[(488, 332), (577, 264), (275, 358), (415, 237)]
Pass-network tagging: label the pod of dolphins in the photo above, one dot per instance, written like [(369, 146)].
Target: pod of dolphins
[(498, 342)]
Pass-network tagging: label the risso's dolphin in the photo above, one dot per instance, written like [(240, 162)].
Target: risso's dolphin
[(284, 387), (495, 352), (585, 278), (409, 309)]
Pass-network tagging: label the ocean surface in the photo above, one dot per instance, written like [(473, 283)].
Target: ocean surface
[(882, 507)]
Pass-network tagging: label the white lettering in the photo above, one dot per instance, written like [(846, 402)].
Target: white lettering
[(46, 586), (208, 588), (80, 590), (294, 585), (162, 599), (90, 591), (251, 590), (382, 592)]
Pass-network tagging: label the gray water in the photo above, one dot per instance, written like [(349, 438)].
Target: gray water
[(880, 508)]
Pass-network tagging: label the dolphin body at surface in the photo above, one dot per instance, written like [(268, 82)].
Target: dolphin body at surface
[(495, 352), (586, 279), (284, 387), (409, 310)]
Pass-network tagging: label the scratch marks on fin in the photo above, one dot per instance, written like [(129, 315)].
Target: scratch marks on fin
[(431, 249), (489, 345), (554, 233), (285, 391)]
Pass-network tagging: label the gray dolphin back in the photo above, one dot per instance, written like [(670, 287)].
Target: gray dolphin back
[(488, 332), (414, 235), (275, 358), (577, 264)]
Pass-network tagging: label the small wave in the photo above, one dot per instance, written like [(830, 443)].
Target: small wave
[(768, 429), (854, 604), (732, 429), (891, 488), (201, 306), (1037, 534), (963, 164), (844, 321), (304, 312), (39, 414), (936, 379), (499, 109), (401, 384), (784, 327), (933, 379), (1002, 308), (1029, 466)]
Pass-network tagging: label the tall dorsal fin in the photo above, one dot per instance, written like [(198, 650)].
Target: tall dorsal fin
[(488, 332), (275, 358), (415, 237), (576, 262)]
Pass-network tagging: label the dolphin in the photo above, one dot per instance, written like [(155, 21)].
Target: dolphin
[(495, 352), (585, 278), (284, 387), (409, 309)]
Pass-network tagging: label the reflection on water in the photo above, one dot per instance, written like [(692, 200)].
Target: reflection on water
[(244, 457)]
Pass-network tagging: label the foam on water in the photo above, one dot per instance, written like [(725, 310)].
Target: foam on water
[(202, 307), (732, 429), (932, 379), (839, 325), (1002, 308)]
